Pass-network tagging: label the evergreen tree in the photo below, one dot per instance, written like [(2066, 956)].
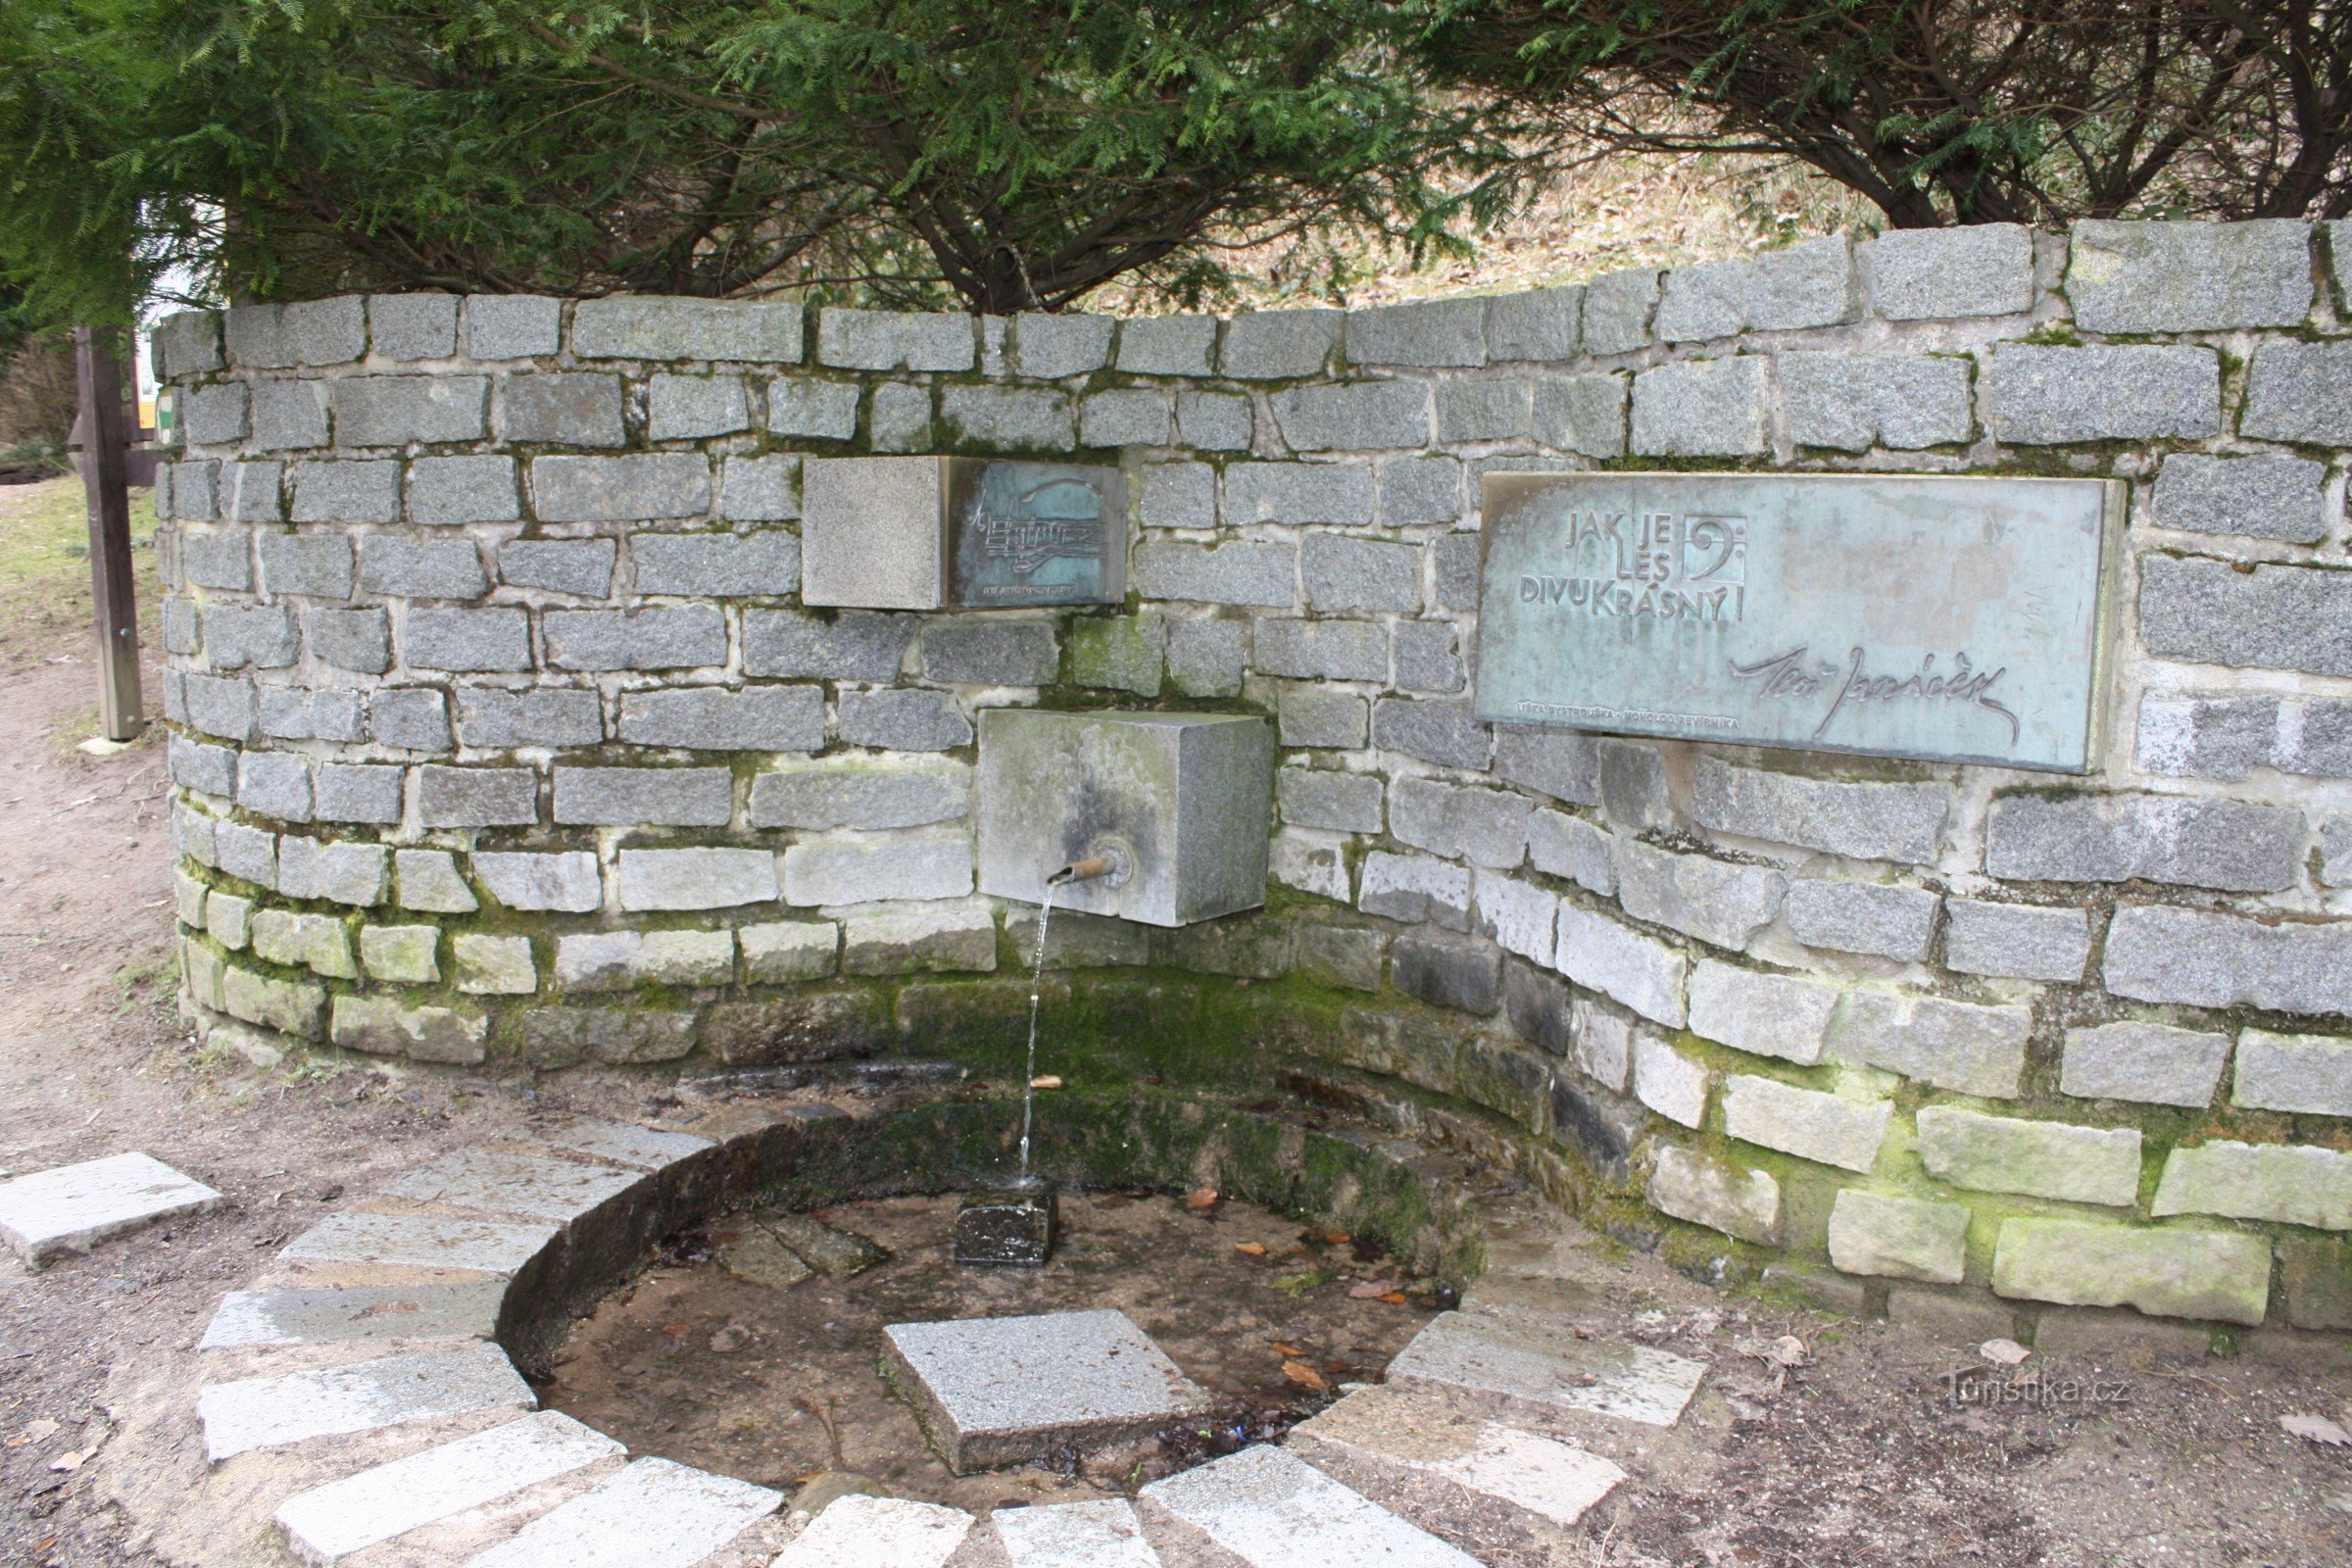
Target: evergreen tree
[(1012, 154), (1944, 111)]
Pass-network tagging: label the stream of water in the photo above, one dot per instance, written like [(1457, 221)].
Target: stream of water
[(1037, 986)]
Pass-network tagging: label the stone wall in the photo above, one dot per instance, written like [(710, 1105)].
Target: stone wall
[(498, 731)]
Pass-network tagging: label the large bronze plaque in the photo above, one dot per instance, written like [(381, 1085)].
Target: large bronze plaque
[(1035, 533), (1958, 619)]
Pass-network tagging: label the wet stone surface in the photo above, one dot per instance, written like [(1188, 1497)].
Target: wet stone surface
[(1006, 1225), (694, 1362)]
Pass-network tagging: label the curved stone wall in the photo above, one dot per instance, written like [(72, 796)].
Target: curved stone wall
[(499, 733)]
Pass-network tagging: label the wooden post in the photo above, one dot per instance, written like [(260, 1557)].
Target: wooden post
[(98, 374)]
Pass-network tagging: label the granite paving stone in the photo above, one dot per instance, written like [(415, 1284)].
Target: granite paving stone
[(1545, 1368), (1272, 1509), (71, 1208), (330, 1523), (999, 1391), (653, 1514), (862, 1531), (420, 1240), (512, 1184), (360, 1396), (1416, 1456), (1104, 1533), (331, 1316)]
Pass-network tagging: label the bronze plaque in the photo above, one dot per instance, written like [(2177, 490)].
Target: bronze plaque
[(1035, 533), (1954, 618)]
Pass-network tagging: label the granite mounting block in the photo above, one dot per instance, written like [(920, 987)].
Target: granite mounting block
[(998, 1390)]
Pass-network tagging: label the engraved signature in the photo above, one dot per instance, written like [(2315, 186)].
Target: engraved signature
[(1788, 675)]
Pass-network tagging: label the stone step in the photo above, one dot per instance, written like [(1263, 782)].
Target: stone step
[(648, 1149), (1507, 1496), (420, 1240), (1532, 1367), (1265, 1508), (52, 1213), (1542, 1298), (331, 1522), (862, 1531), (529, 1186), (997, 1391), (653, 1514), (468, 1310), (360, 1396), (1074, 1534)]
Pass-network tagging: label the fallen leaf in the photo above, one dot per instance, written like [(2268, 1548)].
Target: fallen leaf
[(673, 1330), (1291, 1351), (1296, 1285), (1338, 1238), (1372, 1291), (2006, 1353), (1202, 1199), (1254, 1249), (1304, 1376), (1045, 1081), (1785, 1352), (2316, 1429), (1394, 1299)]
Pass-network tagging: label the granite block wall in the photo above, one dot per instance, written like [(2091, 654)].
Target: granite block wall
[(499, 731)]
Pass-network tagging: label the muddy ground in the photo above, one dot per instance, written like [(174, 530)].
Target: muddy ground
[(1858, 1459), (775, 1382)]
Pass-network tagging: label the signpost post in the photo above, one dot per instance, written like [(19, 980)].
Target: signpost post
[(98, 374)]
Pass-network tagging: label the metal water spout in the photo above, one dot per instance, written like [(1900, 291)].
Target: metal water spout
[(1111, 862)]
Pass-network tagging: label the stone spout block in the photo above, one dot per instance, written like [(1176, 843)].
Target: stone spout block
[(1185, 798), (1011, 1225), (981, 533)]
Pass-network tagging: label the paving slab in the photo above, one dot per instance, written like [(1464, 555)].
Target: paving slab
[(52, 1213), (1270, 1510), (645, 1147), (653, 1514), (822, 1247), (997, 1391), (1075, 1534), (420, 1241), (331, 1316), (331, 1522), (360, 1396), (513, 1183), (861, 1532), (1496, 1492), (1546, 1368), (752, 1252)]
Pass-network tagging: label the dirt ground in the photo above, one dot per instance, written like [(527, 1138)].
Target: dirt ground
[(1859, 1458)]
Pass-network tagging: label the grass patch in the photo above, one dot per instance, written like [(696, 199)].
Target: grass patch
[(45, 568)]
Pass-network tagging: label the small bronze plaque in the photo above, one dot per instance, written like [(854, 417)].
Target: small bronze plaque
[(1035, 533)]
